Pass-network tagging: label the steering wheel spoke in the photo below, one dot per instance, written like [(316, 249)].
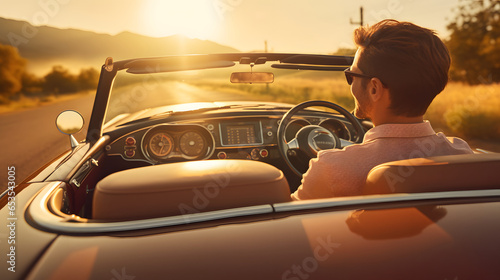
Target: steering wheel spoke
[(293, 144), (345, 143)]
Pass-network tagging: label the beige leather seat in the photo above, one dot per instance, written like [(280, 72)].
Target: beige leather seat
[(434, 174), (188, 187)]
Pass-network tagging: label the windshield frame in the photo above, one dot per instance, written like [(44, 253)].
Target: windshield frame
[(157, 64)]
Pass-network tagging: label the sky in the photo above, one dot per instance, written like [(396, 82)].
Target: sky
[(314, 26)]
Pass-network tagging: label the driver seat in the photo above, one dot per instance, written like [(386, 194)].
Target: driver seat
[(435, 174)]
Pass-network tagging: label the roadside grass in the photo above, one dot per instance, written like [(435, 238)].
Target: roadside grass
[(23, 101), (471, 112), (289, 90)]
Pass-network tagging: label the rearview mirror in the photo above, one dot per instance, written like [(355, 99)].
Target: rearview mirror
[(252, 77)]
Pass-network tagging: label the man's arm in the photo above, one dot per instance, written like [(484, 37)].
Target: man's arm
[(318, 182)]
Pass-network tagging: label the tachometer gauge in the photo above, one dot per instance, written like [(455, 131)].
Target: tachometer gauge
[(192, 144), (337, 127), (160, 144)]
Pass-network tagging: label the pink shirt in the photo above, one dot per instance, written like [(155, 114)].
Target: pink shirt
[(343, 172)]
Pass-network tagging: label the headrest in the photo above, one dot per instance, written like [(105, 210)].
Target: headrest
[(435, 174), (188, 187)]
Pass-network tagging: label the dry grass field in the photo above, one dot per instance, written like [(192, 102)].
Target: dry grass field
[(472, 112)]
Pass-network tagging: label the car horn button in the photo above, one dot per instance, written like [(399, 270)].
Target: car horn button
[(321, 140)]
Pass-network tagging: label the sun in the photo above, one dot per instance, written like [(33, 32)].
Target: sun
[(192, 18)]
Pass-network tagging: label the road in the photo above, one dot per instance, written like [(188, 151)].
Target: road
[(30, 138)]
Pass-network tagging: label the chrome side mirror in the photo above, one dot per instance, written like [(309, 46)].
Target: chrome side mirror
[(70, 122)]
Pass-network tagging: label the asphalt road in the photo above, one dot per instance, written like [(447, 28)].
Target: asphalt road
[(29, 138)]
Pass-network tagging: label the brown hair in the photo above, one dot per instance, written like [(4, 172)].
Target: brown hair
[(410, 60)]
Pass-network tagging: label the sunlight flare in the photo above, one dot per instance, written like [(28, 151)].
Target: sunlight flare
[(191, 18)]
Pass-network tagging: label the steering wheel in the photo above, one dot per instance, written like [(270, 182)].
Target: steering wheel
[(313, 138)]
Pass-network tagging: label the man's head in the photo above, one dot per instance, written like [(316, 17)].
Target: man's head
[(408, 62)]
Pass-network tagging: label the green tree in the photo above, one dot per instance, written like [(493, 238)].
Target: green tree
[(12, 67), (474, 42), (59, 80)]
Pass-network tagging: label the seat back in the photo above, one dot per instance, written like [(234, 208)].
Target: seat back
[(435, 174), (186, 188)]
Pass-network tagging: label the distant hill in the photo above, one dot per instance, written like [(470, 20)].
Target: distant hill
[(45, 46)]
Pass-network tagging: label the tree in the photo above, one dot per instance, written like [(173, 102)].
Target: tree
[(59, 80), (345, 51), (88, 79), (474, 42), (31, 83), (12, 67)]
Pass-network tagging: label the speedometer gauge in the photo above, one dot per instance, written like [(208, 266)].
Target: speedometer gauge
[(160, 144), (192, 144)]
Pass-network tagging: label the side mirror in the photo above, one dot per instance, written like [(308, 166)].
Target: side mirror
[(252, 77), (70, 122)]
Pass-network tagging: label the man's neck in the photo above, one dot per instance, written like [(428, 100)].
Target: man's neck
[(397, 120)]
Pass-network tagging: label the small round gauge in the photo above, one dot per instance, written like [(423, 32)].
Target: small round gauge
[(293, 127), (160, 144), (192, 144)]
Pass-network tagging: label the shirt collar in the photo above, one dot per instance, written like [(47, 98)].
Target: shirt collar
[(399, 130)]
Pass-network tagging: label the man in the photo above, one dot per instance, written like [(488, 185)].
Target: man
[(397, 71)]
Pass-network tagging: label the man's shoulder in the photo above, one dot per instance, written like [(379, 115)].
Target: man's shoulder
[(348, 151), (456, 143), (456, 140)]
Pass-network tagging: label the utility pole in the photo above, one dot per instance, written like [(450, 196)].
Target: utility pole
[(265, 46), (360, 17)]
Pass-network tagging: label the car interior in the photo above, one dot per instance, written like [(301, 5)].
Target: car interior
[(121, 188), (194, 158), (132, 180)]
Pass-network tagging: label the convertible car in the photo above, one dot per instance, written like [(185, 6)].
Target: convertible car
[(166, 188)]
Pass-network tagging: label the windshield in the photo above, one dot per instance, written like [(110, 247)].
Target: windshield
[(133, 93)]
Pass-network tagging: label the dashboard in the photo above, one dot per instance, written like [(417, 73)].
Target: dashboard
[(246, 137)]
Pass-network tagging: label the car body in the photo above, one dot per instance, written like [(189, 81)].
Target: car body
[(202, 191)]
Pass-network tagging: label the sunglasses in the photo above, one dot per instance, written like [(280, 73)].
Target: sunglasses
[(349, 75)]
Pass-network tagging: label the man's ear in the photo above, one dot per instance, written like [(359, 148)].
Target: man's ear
[(376, 89)]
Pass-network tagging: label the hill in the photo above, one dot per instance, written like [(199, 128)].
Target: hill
[(45, 46)]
